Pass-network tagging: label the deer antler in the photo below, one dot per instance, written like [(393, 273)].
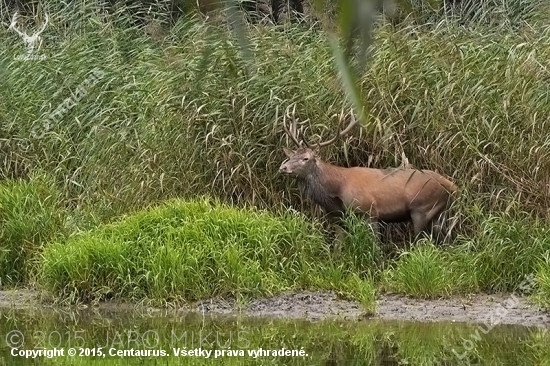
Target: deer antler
[(294, 132), (338, 132)]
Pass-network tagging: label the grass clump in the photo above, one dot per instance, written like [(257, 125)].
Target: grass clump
[(542, 282), (192, 250), (505, 249), (497, 258), (30, 215), (360, 247), (421, 272)]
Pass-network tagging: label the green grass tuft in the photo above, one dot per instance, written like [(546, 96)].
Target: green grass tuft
[(542, 282), (30, 215), (188, 251), (421, 272), (504, 250), (360, 247)]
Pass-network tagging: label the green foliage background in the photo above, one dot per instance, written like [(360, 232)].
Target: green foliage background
[(182, 111)]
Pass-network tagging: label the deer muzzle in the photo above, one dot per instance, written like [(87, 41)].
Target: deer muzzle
[(283, 169)]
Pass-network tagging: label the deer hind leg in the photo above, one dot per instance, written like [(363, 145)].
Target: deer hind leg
[(423, 219), (443, 226), (420, 221), (436, 227)]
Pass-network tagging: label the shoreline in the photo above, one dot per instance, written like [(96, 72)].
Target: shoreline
[(320, 305)]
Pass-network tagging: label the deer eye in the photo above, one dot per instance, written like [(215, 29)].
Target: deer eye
[(305, 159)]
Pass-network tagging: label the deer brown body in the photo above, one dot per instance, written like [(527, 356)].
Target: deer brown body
[(386, 195)]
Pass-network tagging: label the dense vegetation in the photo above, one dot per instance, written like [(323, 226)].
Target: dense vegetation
[(178, 112), (196, 250)]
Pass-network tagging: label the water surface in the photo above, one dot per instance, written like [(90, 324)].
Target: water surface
[(171, 338)]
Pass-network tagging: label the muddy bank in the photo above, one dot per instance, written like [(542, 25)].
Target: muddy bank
[(317, 305), (311, 305), (500, 308), (322, 305), (20, 298)]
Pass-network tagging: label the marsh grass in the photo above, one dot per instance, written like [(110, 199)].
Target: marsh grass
[(31, 214), (496, 259), (421, 272), (494, 13), (542, 277), (504, 251), (180, 115), (360, 247), (188, 251)]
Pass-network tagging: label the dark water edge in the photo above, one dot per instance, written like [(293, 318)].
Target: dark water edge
[(108, 337)]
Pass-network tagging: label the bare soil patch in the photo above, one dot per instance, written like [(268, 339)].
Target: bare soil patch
[(318, 305), (324, 305), (310, 305), (20, 298), (475, 309)]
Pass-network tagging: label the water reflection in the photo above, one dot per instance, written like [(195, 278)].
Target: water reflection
[(171, 338)]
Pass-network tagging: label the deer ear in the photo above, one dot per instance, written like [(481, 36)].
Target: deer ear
[(288, 152)]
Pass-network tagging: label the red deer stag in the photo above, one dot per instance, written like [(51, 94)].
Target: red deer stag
[(385, 195)]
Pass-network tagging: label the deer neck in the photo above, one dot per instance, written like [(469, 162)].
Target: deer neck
[(322, 186)]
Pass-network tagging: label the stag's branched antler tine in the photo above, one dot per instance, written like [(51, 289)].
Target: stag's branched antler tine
[(338, 132), (298, 134), (294, 123), (292, 132), (351, 125), (301, 131)]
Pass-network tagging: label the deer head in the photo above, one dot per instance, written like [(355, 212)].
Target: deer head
[(302, 162)]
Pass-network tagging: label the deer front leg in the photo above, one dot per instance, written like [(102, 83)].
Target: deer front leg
[(339, 239), (336, 224)]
